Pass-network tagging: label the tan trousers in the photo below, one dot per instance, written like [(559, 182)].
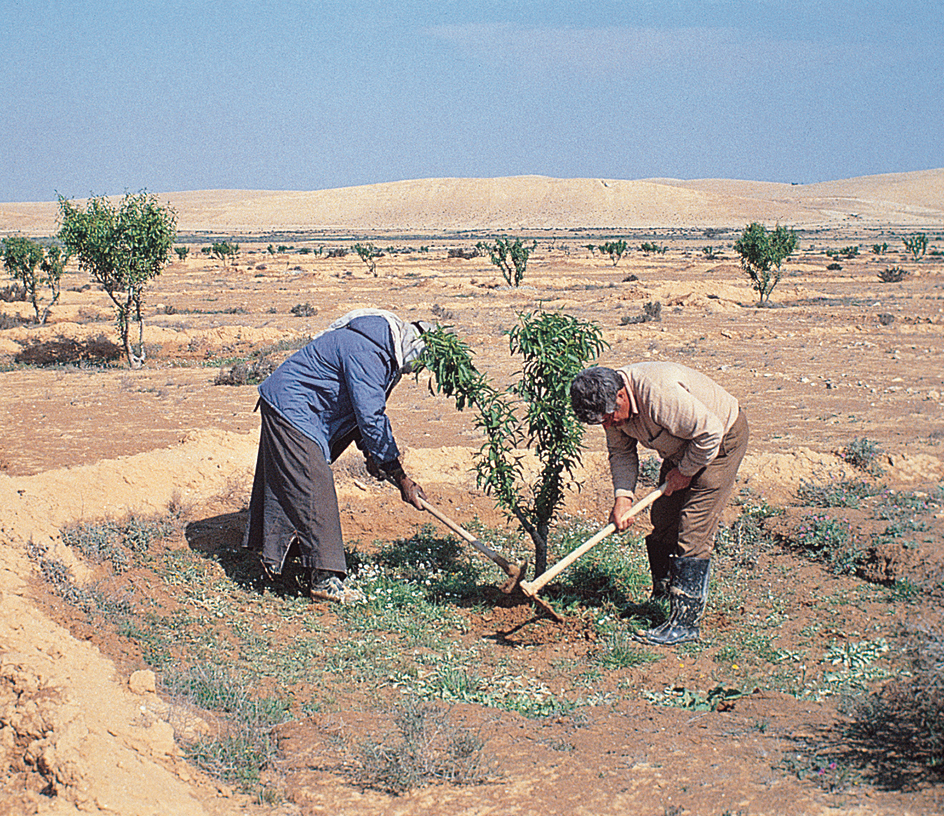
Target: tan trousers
[(685, 523)]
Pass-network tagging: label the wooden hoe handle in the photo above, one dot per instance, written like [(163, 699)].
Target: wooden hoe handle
[(531, 588), (482, 548)]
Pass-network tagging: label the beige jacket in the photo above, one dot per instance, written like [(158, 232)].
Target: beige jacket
[(677, 412)]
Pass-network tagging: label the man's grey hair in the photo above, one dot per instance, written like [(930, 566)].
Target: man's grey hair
[(593, 394)]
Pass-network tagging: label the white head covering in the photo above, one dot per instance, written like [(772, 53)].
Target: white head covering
[(407, 337)]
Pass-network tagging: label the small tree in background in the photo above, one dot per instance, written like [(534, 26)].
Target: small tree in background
[(369, 254), (510, 256), (762, 253), (648, 247), (182, 252), (916, 245), (224, 251), (615, 249), (534, 413), (122, 248), (35, 267)]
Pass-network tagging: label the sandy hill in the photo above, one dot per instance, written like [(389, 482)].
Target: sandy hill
[(539, 203)]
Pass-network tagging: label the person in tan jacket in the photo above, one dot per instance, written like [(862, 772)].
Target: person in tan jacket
[(701, 433)]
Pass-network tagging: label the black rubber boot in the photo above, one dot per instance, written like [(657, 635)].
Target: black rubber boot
[(688, 595), (659, 566)]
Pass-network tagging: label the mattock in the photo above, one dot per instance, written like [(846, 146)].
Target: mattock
[(531, 588), (515, 572)]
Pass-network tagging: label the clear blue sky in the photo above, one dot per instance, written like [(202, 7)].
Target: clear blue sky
[(102, 97)]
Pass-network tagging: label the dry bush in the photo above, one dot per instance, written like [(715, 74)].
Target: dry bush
[(65, 350), (11, 321), (906, 717), (13, 293), (894, 274), (427, 747), (245, 372)]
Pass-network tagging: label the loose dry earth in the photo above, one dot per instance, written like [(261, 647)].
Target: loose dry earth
[(83, 729)]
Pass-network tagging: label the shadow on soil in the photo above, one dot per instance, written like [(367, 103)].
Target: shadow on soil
[(882, 752), (220, 538)]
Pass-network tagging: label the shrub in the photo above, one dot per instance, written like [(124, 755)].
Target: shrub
[(182, 252), (464, 254), (651, 311), (893, 274), (510, 256), (442, 313), (762, 253), (863, 454), (916, 245), (13, 293), (426, 747), (879, 249), (304, 310), (8, 321), (834, 267), (245, 373), (66, 350), (908, 712)]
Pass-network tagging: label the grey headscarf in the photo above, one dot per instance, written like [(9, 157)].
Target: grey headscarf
[(407, 337)]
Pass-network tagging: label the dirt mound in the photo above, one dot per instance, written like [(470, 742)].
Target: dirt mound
[(73, 734)]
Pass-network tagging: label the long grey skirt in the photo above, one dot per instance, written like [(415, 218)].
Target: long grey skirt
[(293, 499)]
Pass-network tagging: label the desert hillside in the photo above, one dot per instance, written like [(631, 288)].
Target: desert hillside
[(540, 203)]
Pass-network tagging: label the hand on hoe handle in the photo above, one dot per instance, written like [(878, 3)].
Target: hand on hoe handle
[(621, 516), (393, 472), (411, 492)]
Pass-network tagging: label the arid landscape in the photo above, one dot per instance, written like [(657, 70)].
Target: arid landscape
[(800, 697)]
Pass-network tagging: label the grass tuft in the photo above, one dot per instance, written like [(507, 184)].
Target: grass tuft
[(425, 747), (241, 746)]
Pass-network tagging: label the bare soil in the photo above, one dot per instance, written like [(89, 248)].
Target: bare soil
[(839, 355)]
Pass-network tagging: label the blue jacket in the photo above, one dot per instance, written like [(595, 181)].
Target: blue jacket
[(335, 389)]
